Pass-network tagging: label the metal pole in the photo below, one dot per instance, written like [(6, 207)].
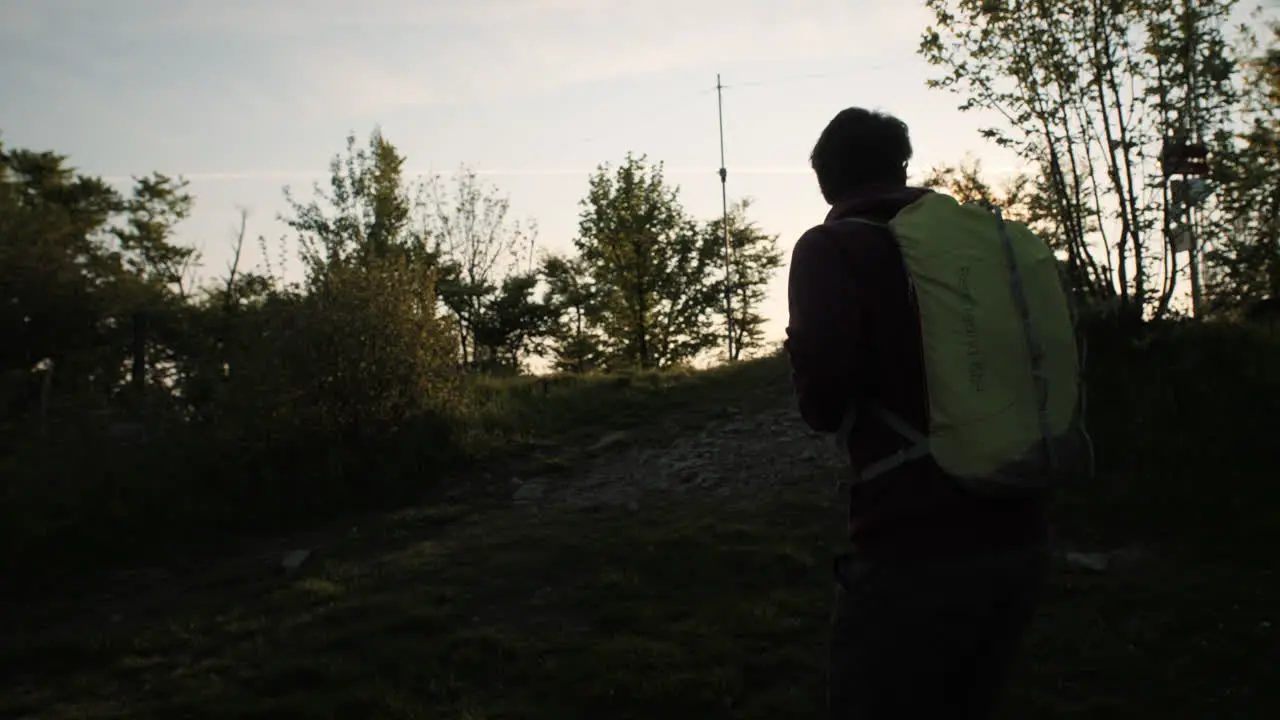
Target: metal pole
[(724, 225), (1196, 132)]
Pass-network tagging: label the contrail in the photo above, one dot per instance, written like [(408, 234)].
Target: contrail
[(298, 175), (287, 176)]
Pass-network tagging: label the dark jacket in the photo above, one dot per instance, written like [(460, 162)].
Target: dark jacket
[(854, 336)]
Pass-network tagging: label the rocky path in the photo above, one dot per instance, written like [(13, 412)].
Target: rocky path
[(744, 458)]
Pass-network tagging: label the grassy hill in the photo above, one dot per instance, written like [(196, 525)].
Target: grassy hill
[(697, 592)]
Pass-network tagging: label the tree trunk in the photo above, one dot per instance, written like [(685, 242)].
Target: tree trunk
[(138, 376)]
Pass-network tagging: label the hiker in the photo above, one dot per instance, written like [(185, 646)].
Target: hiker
[(935, 342)]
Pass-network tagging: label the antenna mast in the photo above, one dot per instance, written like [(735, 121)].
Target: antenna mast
[(1194, 129), (724, 225)]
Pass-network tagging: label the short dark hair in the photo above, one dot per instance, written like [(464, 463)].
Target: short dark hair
[(860, 147)]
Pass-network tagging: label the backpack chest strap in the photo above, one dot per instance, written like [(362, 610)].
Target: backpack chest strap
[(917, 443), (917, 447)]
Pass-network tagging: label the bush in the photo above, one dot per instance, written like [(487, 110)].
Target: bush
[(288, 410), (1182, 419)]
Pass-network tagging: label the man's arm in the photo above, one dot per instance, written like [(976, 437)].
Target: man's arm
[(822, 329)]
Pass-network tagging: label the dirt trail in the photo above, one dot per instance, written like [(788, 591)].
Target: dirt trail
[(745, 458)]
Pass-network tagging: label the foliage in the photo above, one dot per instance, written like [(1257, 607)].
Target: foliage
[(365, 215), (280, 402), (480, 244), (754, 258), (1022, 197), (1245, 260), (966, 183), (647, 260), (1089, 91), (81, 270), (369, 345), (269, 400), (574, 341), (512, 324)]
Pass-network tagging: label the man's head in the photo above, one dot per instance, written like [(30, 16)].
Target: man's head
[(860, 148)]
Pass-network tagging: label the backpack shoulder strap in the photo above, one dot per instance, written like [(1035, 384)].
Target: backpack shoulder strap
[(918, 443)]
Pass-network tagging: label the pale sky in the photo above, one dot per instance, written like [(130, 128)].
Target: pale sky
[(243, 97)]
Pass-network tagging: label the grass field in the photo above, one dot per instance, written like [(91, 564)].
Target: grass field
[(474, 609)]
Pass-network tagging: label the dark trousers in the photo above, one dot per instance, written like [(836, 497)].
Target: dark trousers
[(929, 641)]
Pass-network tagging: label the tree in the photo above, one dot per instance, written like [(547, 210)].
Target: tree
[(1089, 91), (56, 278), (480, 245), (80, 266), (574, 343), (159, 203), (365, 216), (966, 182), (648, 262), (358, 348), (1020, 197), (222, 327), (1245, 264), (754, 259), (512, 324)]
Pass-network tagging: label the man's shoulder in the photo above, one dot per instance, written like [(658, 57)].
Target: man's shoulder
[(845, 238), (857, 229), (876, 205)]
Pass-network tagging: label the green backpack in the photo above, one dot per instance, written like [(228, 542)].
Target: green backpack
[(1002, 367)]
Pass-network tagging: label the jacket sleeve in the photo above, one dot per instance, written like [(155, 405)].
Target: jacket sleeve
[(822, 329)]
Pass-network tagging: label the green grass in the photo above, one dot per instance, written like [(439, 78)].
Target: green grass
[(562, 419), (470, 610), (690, 612), (66, 516)]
